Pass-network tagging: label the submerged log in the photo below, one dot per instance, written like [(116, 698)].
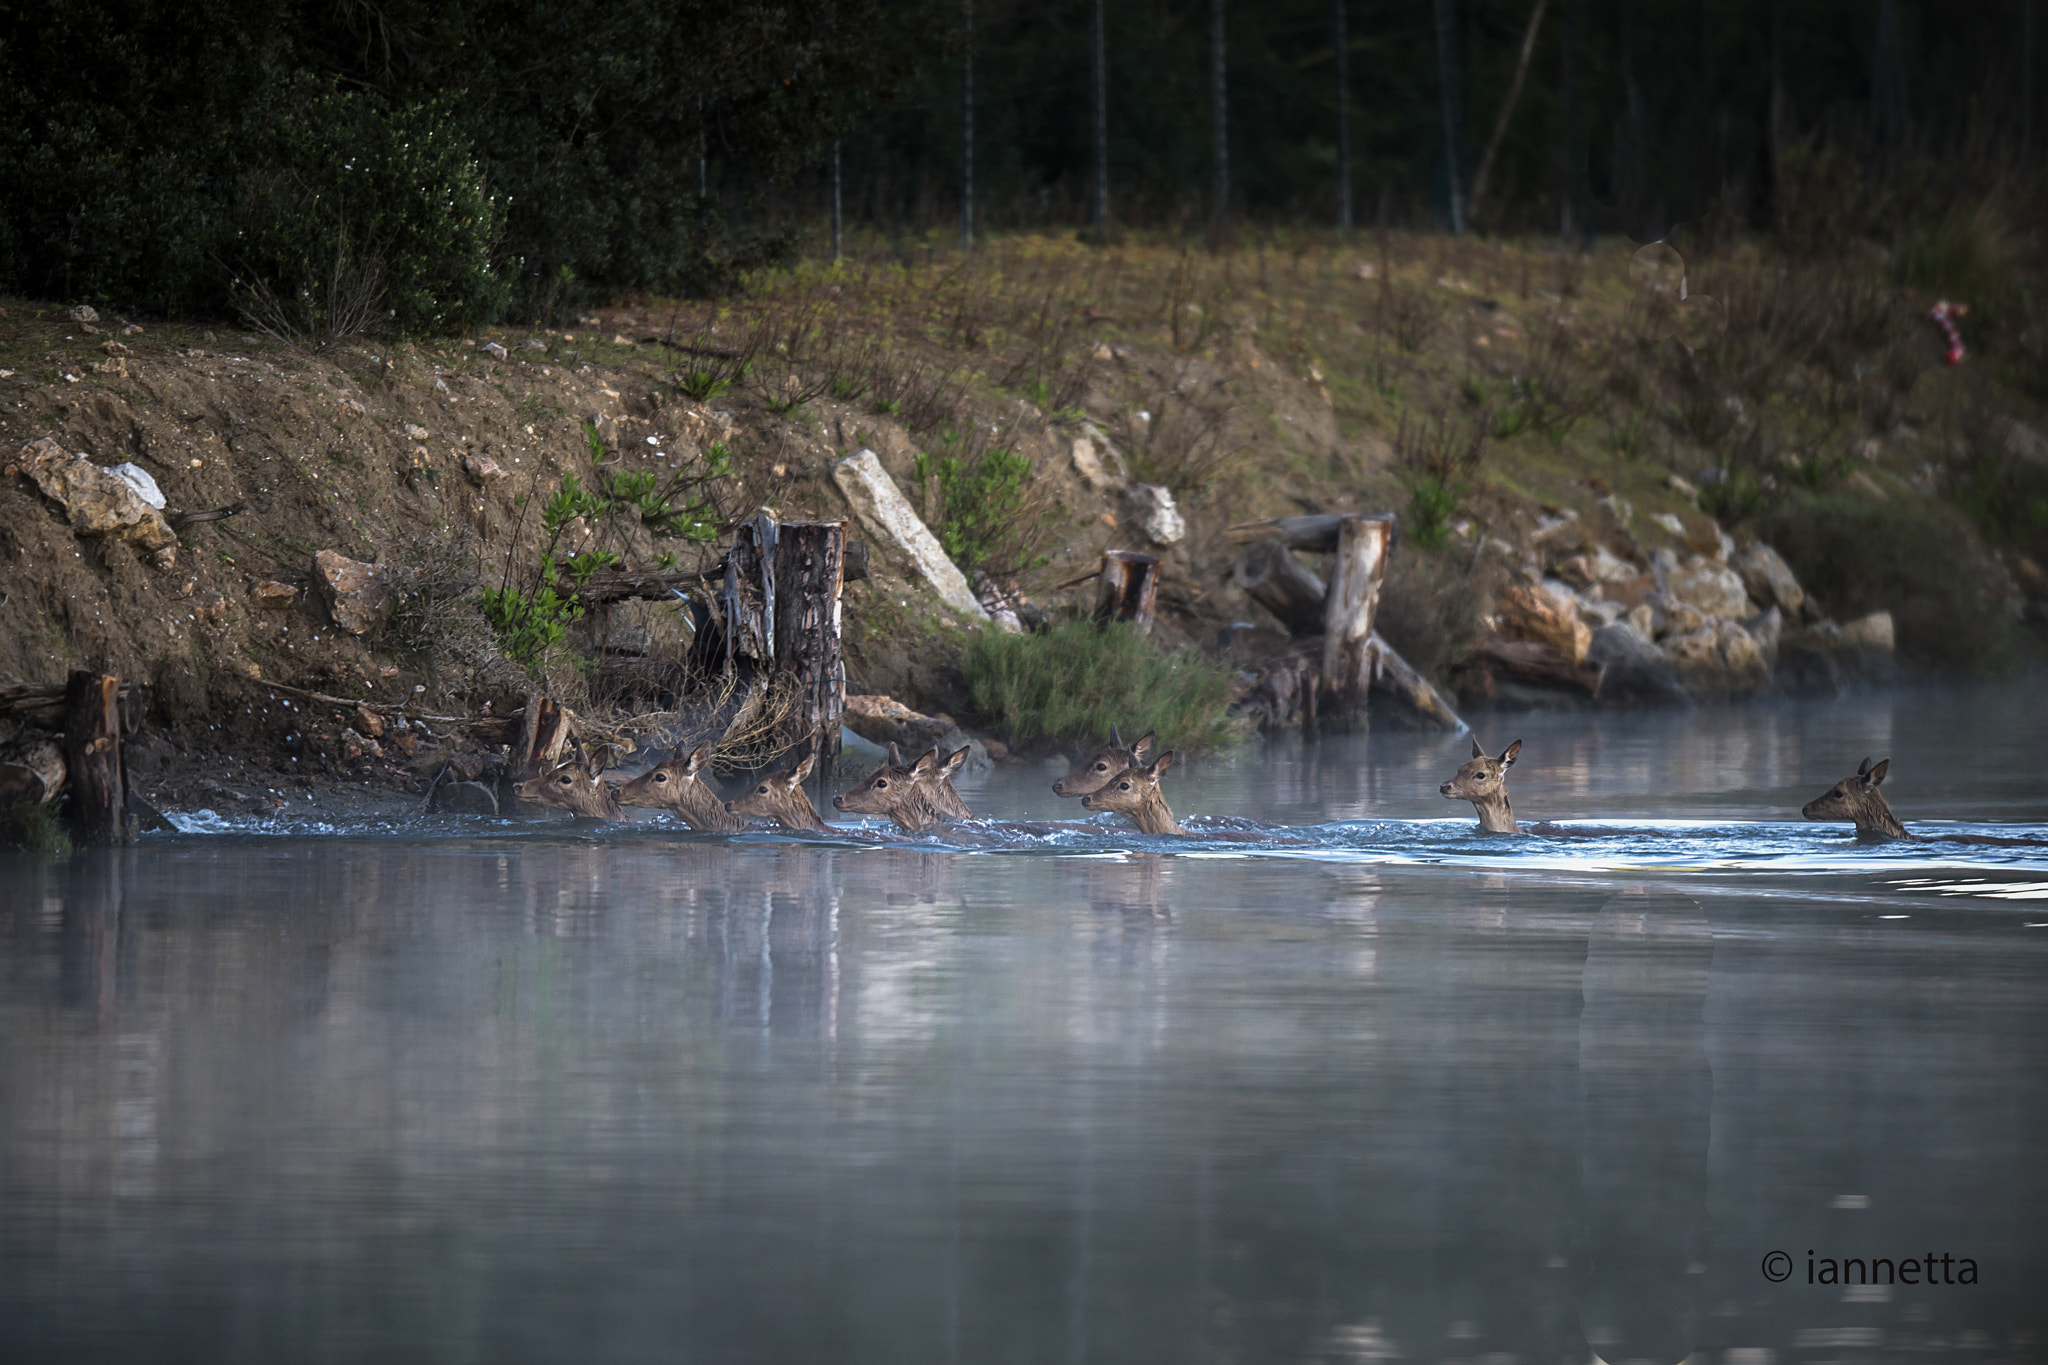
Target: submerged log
[(1130, 588), (1270, 575), (1394, 677), (31, 771), (92, 758), (809, 571), (1354, 598)]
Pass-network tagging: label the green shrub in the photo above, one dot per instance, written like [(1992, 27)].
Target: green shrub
[(985, 506), (35, 829), (1857, 555), (360, 217), (1074, 681)]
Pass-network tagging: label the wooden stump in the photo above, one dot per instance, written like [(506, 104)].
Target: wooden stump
[(1270, 574), (1130, 588), (808, 573), (92, 758), (1354, 598), (544, 736)]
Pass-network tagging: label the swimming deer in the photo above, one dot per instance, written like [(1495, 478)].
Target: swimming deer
[(674, 785), (1484, 782), (913, 795), (1110, 760), (575, 787), (1857, 798), (781, 797), (1135, 792)]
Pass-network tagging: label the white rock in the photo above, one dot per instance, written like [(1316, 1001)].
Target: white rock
[(1769, 578), (1874, 631), (84, 312), (1670, 522), (138, 478), (887, 515), (1152, 507), (494, 350), (1713, 587), (1097, 462)]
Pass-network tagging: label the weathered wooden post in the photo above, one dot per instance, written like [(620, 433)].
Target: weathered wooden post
[(543, 734), (809, 567), (1270, 575), (92, 757), (1130, 588), (1354, 597)]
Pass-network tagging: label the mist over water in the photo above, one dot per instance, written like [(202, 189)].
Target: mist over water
[(1369, 1087)]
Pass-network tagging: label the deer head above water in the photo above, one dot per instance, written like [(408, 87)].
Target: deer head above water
[(781, 797), (1484, 782), (1857, 798), (1109, 760), (676, 785), (914, 795), (575, 787), (1134, 792)]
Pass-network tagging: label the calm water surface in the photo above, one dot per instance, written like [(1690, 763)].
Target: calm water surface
[(1378, 1089)]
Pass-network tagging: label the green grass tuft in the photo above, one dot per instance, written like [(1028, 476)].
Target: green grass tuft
[(1074, 681), (35, 829)]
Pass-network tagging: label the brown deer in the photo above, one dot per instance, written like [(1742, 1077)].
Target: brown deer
[(913, 795), (674, 785), (1135, 792), (781, 797), (575, 787), (1857, 798), (1484, 782), (1110, 760)]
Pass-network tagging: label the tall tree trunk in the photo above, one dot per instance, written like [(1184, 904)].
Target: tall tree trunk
[(1888, 112), (703, 145), (967, 126), (1343, 124), (838, 242), (1447, 89), (1507, 106), (1567, 137), (1101, 132), (1219, 205), (2026, 82), (1774, 135), (1628, 169)]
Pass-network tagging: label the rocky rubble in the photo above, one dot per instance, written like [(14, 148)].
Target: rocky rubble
[(1600, 620)]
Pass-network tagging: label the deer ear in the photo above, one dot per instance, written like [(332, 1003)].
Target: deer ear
[(1877, 773), (1116, 741), (1863, 769), (1144, 745), (895, 754), (1477, 752), (954, 762), (1162, 763), (698, 759), (926, 761), (1507, 755), (803, 770)]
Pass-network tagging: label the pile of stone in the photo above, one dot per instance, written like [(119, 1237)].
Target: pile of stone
[(1660, 629)]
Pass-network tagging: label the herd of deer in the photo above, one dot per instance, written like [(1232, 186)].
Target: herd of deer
[(919, 794)]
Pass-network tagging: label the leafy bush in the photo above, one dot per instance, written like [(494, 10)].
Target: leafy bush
[(1074, 681), (1438, 464), (985, 506), (359, 216), (1857, 555)]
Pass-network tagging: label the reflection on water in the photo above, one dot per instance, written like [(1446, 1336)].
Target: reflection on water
[(532, 1094)]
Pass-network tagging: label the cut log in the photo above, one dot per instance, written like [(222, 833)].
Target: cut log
[(810, 559), (1495, 659), (617, 585), (41, 705), (1270, 574), (1394, 677), (1316, 533), (888, 516), (31, 771), (1130, 588), (1354, 599), (92, 758), (545, 734), (1528, 613), (747, 598)]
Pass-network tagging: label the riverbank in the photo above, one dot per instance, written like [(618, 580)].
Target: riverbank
[(1574, 470)]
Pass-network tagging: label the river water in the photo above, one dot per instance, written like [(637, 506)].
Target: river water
[(1366, 1088)]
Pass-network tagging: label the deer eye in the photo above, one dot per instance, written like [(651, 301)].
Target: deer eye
[(881, 783), (661, 777), (1123, 786), (1102, 767)]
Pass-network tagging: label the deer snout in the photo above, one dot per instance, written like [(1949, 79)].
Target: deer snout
[(839, 801), (1445, 789)]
